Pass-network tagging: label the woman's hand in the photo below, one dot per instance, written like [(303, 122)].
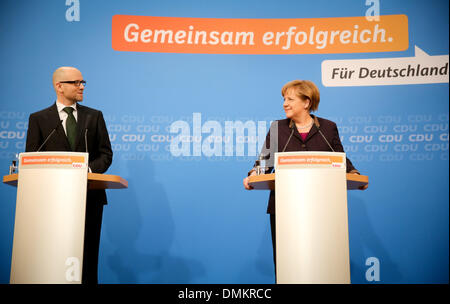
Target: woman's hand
[(364, 187), (245, 181)]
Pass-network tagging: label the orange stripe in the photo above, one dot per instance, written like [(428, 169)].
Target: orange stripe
[(51, 160), (309, 160), (259, 36)]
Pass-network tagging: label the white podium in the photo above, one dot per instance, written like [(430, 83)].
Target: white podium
[(50, 218), (50, 215), (311, 218), (311, 215)]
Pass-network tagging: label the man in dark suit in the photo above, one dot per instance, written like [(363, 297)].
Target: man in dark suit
[(69, 126)]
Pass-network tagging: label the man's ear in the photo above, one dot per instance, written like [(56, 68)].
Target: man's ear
[(58, 87)]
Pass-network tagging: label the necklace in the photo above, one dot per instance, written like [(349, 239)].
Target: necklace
[(305, 126)]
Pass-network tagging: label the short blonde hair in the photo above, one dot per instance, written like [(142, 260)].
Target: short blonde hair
[(304, 89)]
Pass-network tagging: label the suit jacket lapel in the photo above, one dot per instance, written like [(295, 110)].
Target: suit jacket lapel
[(81, 125), (56, 121)]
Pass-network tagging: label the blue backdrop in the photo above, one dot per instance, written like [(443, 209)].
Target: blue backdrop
[(188, 219)]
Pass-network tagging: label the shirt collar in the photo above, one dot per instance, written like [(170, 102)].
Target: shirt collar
[(61, 106)]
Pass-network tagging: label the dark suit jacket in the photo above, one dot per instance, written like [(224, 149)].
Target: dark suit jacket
[(313, 142), (42, 123)]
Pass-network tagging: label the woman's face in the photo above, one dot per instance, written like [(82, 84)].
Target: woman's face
[(294, 106)]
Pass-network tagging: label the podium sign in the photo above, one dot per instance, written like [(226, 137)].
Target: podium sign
[(311, 218), (50, 218)]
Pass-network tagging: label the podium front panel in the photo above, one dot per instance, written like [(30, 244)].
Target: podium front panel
[(50, 218), (311, 218)]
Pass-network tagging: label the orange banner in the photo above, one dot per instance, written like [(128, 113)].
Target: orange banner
[(259, 36), (52, 160), (310, 160)]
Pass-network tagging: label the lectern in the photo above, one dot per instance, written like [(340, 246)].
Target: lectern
[(311, 216), (50, 215)]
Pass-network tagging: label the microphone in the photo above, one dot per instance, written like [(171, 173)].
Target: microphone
[(50, 135), (318, 129), (85, 140), (291, 125), (261, 159)]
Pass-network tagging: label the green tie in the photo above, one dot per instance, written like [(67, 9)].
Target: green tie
[(71, 127)]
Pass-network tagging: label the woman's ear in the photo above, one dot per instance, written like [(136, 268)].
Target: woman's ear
[(307, 103)]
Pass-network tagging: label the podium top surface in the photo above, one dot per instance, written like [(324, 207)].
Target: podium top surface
[(96, 181), (267, 181)]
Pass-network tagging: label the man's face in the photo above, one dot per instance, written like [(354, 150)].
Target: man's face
[(70, 91)]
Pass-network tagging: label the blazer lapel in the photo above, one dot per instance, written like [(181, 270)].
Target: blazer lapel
[(314, 128), (297, 134), (56, 121)]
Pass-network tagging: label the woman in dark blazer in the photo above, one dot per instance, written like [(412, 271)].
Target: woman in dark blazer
[(300, 131)]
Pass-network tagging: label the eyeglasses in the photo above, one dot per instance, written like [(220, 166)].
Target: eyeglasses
[(75, 82)]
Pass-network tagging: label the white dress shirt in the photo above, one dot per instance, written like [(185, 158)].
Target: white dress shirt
[(63, 115)]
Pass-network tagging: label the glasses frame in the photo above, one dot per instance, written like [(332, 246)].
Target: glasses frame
[(77, 83)]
